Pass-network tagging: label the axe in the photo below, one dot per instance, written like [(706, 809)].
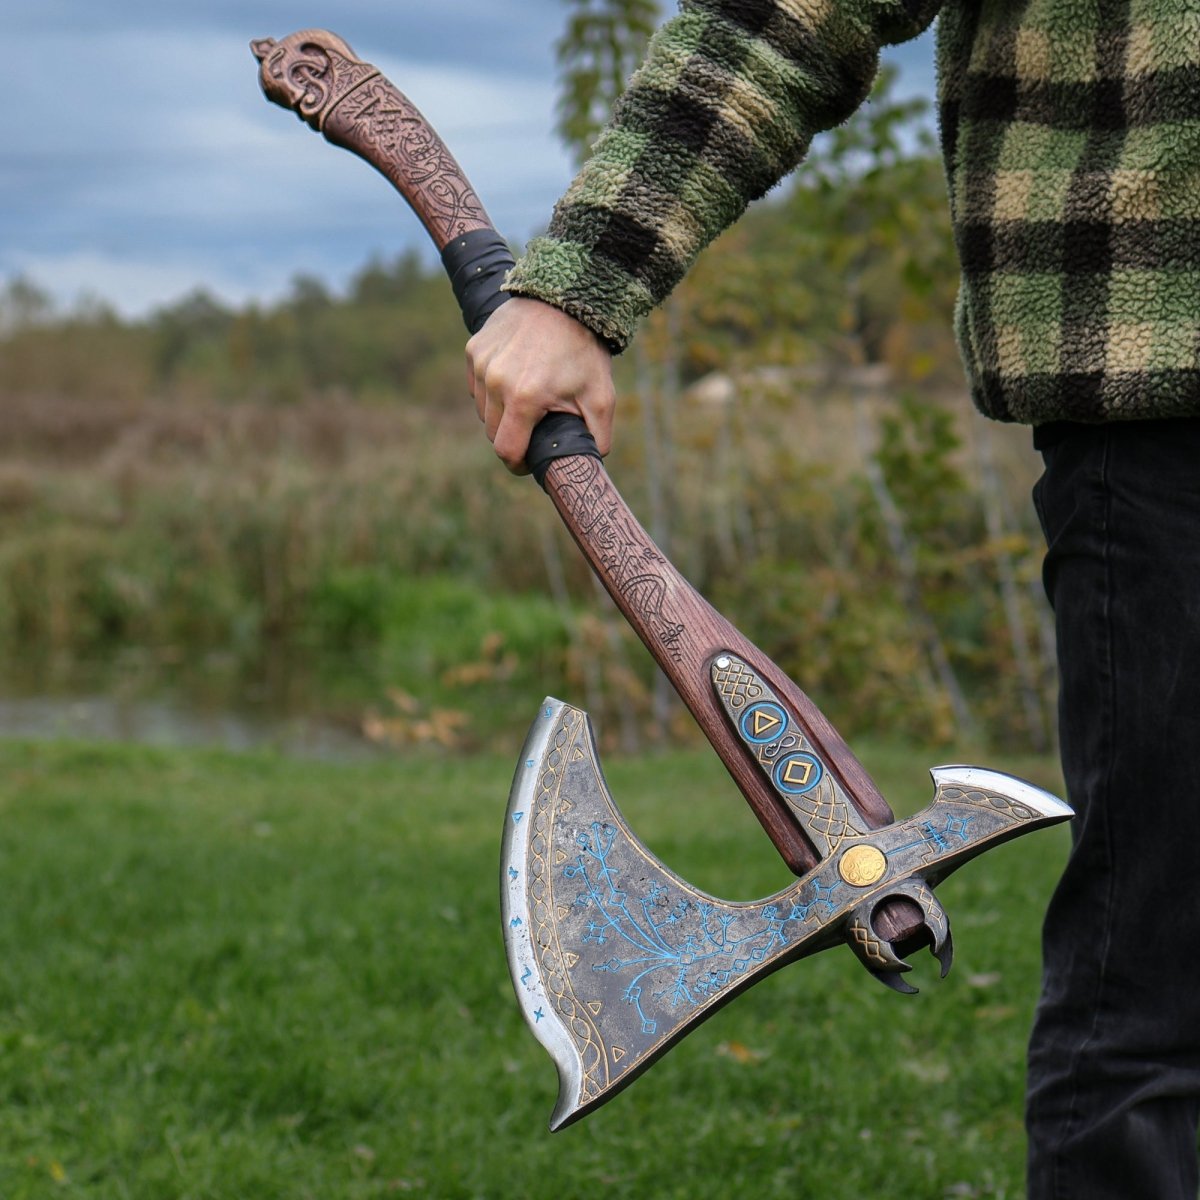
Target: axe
[(614, 958)]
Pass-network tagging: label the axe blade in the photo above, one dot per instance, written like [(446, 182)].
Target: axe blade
[(614, 958)]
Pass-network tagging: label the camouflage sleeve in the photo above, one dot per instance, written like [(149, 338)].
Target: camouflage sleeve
[(725, 104)]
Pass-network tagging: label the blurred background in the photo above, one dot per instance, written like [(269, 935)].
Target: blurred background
[(244, 499)]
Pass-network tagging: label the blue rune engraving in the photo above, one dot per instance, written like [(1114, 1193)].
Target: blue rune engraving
[(679, 950), (822, 897), (515, 923), (537, 1015), (517, 818), (526, 975), (513, 873), (529, 762), (940, 839)]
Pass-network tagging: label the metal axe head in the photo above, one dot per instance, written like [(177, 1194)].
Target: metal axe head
[(614, 957)]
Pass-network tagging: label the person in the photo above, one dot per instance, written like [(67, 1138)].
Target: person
[(1071, 136)]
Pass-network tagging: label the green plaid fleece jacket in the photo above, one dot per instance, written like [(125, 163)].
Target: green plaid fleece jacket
[(1071, 135)]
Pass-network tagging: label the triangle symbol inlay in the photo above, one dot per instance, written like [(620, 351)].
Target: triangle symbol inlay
[(765, 722)]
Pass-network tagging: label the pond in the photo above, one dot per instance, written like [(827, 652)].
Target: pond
[(302, 707)]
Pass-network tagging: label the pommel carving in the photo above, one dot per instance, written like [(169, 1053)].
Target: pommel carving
[(316, 75), (309, 72)]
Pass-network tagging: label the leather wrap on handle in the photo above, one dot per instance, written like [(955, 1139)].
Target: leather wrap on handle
[(477, 263), (316, 75)]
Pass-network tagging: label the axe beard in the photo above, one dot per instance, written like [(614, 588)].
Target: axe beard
[(614, 958)]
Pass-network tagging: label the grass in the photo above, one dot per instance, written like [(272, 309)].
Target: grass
[(244, 976)]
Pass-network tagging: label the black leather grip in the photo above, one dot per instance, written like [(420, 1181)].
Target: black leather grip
[(557, 435), (477, 263)]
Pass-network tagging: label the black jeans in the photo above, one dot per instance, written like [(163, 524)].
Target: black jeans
[(1114, 1059)]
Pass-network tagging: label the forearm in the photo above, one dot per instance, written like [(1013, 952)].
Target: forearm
[(725, 104)]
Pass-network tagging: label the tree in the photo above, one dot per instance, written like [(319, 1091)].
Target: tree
[(869, 214), (23, 305), (603, 42)]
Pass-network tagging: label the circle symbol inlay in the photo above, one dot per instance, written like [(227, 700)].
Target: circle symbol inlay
[(862, 866)]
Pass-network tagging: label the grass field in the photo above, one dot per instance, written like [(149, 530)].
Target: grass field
[(246, 976)]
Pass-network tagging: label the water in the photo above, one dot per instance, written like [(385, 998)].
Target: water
[(307, 710)]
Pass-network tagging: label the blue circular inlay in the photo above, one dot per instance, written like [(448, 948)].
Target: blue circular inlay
[(798, 773), (763, 723)]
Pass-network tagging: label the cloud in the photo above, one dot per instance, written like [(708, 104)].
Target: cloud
[(162, 166), (488, 35)]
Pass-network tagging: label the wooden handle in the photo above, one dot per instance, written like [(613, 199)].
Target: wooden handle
[(684, 633), (316, 74)]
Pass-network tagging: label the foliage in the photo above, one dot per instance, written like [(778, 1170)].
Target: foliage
[(233, 976), (602, 43), (853, 261), (285, 536), (23, 305)]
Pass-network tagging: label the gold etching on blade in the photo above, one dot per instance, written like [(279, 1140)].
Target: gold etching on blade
[(869, 945), (785, 755), (735, 682), (766, 725)]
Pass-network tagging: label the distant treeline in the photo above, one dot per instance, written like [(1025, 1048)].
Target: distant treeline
[(850, 263), (393, 334)]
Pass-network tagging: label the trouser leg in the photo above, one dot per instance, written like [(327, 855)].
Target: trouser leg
[(1114, 1060)]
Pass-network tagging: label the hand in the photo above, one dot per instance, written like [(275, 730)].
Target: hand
[(531, 359)]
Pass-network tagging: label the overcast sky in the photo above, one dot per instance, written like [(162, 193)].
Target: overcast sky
[(140, 160)]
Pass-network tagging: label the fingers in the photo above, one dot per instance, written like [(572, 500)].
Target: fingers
[(599, 412), (476, 385), (509, 426), (511, 440)]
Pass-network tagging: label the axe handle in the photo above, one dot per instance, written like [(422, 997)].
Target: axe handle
[(315, 74), (684, 633)]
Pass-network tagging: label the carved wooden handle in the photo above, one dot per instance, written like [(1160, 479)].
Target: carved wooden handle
[(685, 635), (317, 75)]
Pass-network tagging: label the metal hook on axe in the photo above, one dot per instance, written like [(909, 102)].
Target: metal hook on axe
[(613, 957)]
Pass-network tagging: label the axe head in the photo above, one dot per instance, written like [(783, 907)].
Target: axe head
[(614, 957)]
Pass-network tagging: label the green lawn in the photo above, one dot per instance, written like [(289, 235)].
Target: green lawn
[(245, 976)]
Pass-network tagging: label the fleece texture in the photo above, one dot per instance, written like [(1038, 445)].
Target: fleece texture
[(1071, 136)]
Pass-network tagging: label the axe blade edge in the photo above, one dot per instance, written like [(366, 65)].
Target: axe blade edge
[(537, 1006), (1020, 791)]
